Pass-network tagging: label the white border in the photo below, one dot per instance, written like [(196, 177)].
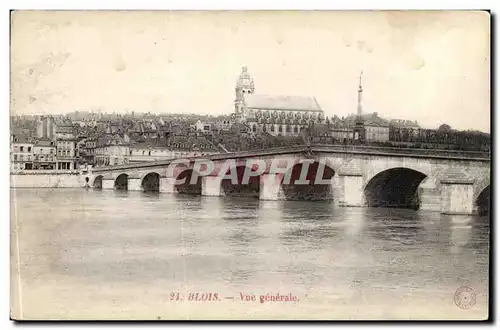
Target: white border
[(255, 4), (184, 4)]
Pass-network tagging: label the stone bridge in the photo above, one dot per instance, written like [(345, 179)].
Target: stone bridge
[(437, 180)]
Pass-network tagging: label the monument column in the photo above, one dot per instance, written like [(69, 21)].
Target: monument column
[(359, 126)]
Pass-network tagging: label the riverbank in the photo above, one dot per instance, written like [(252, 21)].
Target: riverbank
[(46, 179)]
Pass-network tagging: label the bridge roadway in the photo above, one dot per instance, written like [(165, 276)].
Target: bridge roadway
[(447, 181)]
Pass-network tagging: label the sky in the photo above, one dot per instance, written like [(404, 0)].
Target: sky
[(432, 67)]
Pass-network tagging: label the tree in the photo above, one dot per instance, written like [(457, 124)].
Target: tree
[(444, 128)]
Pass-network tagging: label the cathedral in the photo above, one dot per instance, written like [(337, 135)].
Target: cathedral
[(274, 114)]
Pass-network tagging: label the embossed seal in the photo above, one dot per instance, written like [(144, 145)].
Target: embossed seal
[(465, 297)]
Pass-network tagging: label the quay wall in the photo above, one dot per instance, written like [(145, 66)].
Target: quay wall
[(47, 180)]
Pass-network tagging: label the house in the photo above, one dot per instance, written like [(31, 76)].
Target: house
[(45, 157), (404, 130), (21, 153), (375, 128), (204, 127), (112, 150)]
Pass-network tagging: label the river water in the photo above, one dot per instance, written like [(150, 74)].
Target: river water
[(91, 254)]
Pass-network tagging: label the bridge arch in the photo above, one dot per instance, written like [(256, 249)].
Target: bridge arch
[(293, 189), (482, 202), (150, 181), (251, 188), (121, 182), (97, 182), (187, 187), (394, 187), (482, 182)]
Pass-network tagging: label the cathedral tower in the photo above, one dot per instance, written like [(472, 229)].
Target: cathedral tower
[(244, 85)]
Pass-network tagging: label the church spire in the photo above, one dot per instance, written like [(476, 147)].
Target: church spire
[(360, 95)]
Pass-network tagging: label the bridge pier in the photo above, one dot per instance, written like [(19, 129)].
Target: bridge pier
[(167, 185), (134, 184), (336, 189), (270, 187), (430, 195), (211, 186), (457, 197), (108, 183), (351, 190)]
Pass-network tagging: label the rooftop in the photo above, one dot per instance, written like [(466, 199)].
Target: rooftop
[(20, 139), (403, 123), (280, 102), (369, 119), (44, 143)]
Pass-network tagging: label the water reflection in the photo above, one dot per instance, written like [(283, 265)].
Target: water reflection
[(307, 225), (460, 236), (121, 193), (150, 195), (240, 236), (459, 220), (270, 211), (463, 228), (355, 222), (397, 227)]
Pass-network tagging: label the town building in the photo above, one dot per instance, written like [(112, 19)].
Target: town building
[(67, 156), (45, 155), (339, 129), (86, 150), (327, 133), (274, 114), (191, 146), (21, 153), (373, 127), (23, 126), (112, 150), (145, 152), (224, 123), (204, 127), (341, 133), (404, 130)]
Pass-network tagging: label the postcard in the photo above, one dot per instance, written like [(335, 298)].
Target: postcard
[(250, 165)]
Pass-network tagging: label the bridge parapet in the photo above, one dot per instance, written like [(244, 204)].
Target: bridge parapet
[(406, 152), (318, 149)]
